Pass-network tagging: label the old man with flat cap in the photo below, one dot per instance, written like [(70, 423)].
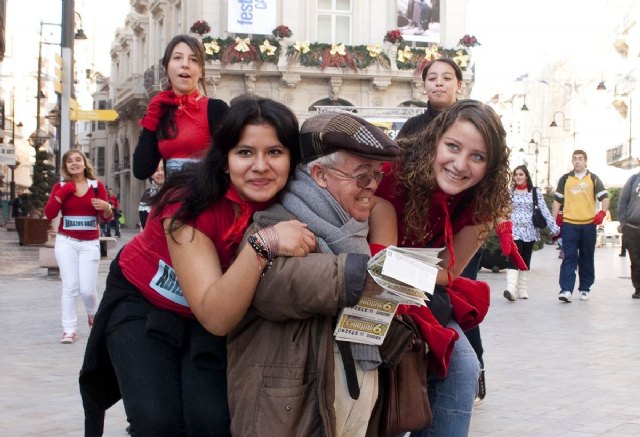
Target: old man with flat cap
[(287, 375)]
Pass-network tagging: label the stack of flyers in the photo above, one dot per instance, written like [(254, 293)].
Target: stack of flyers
[(406, 276)]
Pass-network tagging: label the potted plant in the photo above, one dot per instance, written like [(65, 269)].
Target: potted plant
[(34, 227)]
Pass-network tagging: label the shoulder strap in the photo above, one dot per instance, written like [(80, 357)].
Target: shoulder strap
[(535, 197)]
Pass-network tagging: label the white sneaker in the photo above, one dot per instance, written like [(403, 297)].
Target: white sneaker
[(584, 295), (565, 296), (68, 338)]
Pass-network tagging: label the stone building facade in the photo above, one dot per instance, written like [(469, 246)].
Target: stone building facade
[(136, 74)]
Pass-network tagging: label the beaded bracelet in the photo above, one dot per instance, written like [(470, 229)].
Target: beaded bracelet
[(257, 245), (255, 241)]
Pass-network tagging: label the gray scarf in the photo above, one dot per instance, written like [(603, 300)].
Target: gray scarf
[(315, 206), (336, 232)]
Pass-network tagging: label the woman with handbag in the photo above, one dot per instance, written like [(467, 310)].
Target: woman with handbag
[(179, 121), (529, 213), (449, 190)]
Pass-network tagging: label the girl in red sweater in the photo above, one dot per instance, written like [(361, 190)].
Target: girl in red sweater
[(82, 200)]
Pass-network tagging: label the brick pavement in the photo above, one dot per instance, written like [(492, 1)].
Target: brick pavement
[(552, 369)]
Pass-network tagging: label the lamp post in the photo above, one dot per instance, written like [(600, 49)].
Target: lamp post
[(68, 35), (66, 43), (12, 184), (536, 145)]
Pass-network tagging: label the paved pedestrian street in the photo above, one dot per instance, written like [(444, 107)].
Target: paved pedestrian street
[(552, 369)]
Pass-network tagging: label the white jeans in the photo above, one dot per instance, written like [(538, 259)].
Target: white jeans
[(78, 262)]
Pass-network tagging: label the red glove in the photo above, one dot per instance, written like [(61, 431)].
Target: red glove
[(597, 220), (504, 231), (158, 105), (64, 191), (559, 219)]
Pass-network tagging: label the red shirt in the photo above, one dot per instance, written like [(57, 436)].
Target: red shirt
[(193, 137), (79, 218), (461, 214), (469, 299), (113, 200), (146, 263)]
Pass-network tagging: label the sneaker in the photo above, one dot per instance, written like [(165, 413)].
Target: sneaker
[(565, 296), (584, 295), (68, 338), (636, 295), (482, 389), (90, 320)]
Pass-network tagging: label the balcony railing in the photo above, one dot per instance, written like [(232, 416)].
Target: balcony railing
[(130, 91), (620, 157), (154, 79)]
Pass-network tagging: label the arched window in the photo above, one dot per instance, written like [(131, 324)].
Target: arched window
[(329, 102)]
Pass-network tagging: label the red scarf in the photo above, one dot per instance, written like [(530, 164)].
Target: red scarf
[(440, 198), (236, 231), (188, 101), (522, 186)]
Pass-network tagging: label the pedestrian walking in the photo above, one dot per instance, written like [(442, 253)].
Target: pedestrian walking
[(144, 207), (114, 223), (82, 201), (525, 234), (578, 194), (629, 217)]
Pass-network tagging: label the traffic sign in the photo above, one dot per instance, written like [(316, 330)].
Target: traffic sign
[(93, 115)]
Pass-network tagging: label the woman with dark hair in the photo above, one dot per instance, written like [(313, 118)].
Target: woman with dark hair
[(179, 121), (177, 288), (449, 190), (442, 79), (524, 233), (82, 200)]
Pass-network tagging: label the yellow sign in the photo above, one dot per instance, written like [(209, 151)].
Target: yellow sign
[(94, 115)]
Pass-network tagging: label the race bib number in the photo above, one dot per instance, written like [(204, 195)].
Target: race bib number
[(165, 283), (79, 223)]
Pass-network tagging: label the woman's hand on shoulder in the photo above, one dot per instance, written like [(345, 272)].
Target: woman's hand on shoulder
[(294, 239)]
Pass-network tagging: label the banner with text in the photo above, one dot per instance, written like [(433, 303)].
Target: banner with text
[(252, 16)]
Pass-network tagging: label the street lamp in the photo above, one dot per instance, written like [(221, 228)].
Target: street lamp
[(66, 43), (564, 120), (524, 104), (535, 146), (12, 184)]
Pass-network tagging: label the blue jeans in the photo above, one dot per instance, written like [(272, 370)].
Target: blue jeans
[(452, 398), (579, 245)]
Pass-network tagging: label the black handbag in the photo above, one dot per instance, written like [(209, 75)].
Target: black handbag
[(538, 219)]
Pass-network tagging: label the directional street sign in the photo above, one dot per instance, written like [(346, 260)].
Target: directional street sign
[(94, 115)]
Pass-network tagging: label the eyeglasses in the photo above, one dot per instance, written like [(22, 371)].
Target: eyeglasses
[(363, 179)]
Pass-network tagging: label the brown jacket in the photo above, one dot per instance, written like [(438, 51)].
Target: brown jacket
[(280, 356)]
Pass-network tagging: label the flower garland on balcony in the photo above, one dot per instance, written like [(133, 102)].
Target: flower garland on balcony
[(260, 50), (417, 58), (336, 55), (241, 50)]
